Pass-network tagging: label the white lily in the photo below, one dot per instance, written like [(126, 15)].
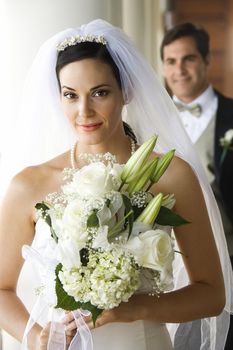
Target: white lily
[(150, 213), (137, 160)]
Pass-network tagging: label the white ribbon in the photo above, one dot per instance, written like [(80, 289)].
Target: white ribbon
[(43, 309), (83, 338), (81, 341)]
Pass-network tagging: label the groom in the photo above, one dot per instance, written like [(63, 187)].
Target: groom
[(205, 113)]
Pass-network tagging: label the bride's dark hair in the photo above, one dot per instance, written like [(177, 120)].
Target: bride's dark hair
[(93, 50)]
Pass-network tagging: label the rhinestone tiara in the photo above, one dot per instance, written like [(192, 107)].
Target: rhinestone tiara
[(72, 41)]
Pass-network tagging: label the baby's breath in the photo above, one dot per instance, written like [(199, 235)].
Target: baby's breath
[(139, 199), (39, 290), (68, 174), (106, 158)]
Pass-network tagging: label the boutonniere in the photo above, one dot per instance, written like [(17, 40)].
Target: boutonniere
[(227, 143)]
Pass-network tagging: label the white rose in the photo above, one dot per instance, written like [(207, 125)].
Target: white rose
[(93, 180), (136, 247), (74, 221), (229, 135), (159, 249), (116, 171), (152, 249), (67, 252)]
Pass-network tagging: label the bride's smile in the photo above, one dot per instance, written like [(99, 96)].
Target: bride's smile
[(92, 101)]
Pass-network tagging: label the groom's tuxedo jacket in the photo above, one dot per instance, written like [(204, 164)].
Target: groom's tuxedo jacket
[(224, 170)]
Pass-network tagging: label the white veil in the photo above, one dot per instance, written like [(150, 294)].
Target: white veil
[(43, 132)]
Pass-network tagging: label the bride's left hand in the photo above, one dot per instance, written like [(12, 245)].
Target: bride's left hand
[(125, 312)]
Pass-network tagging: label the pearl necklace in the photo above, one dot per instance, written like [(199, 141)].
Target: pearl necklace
[(107, 156)]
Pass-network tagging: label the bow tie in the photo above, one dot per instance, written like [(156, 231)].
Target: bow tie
[(194, 110)]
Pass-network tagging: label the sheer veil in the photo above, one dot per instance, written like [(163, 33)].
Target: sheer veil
[(43, 132)]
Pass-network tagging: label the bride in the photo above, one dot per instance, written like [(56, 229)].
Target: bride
[(96, 78)]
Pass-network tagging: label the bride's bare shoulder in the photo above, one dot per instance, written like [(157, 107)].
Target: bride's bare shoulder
[(178, 177), (180, 168), (40, 179)]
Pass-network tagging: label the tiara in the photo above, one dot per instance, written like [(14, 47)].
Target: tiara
[(72, 41)]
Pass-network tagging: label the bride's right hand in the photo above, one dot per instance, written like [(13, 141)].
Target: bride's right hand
[(44, 337), (41, 340), (38, 337)]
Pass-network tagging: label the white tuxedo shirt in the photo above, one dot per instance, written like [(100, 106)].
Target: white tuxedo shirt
[(201, 129)]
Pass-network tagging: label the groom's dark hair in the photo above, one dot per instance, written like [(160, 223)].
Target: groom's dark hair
[(199, 34)]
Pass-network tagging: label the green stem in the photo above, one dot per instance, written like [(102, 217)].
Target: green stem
[(149, 187), (223, 155), (122, 184), (177, 251), (113, 233)]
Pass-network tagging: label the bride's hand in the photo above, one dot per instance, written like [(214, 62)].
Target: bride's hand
[(125, 312), (70, 322), (43, 338)]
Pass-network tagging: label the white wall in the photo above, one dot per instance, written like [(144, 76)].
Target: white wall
[(26, 24)]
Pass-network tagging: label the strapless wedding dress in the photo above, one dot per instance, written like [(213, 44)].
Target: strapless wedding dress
[(138, 335)]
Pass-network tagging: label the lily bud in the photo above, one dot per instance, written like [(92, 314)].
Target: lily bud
[(138, 183), (162, 165), (137, 160), (169, 201), (150, 213)]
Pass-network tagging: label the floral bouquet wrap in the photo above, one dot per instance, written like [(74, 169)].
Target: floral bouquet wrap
[(108, 231)]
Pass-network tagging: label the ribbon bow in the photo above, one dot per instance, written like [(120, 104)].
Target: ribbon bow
[(194, 110)]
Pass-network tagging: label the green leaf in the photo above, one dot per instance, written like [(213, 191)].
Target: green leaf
[(128, 209), (64, 301), (108, 202), (94, 310), (93, 220), (137, 211), (44, 210), (67, 302), (117, 229), (84, 256), (167, 217)]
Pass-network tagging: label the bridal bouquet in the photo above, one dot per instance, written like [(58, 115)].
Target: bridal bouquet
[(109, 231)]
